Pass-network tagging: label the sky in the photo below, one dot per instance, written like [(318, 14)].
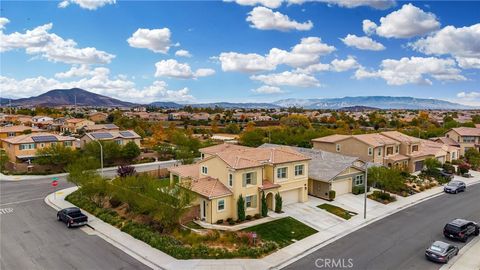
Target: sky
[(242, 50)]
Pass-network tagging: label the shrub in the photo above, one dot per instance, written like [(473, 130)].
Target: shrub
[(457, 162), (249, 217), (422, 188), (463, 168), (115, 202), (220, 221), (278, 203), (241, 208), (257, 216), (358, 190), (264, 205), (447, 167), (331, 195), (231, 222)]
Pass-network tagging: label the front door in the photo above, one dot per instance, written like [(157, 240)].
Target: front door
[(203, 209)]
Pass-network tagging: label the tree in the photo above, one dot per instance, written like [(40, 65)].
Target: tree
[(232, 128), (295, 121), (111, 151), (278, 203), (56, 154), (432, 164), (386, 179), (140, 131), (241, 208), (264, 205), (253, 137), (82, 170), (130, 150), (473, 157)]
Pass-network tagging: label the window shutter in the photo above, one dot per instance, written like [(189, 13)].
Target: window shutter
[(254, 201), (244, 180), (254, 178)]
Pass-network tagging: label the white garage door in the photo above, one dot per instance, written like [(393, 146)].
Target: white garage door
[(342, 186), (290, 196)]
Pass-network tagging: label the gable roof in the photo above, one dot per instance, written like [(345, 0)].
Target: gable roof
[(467, 131), (27, 138), (106, 135), (401, 137), (19, 128), (446, 140), (373, 139), (332, 138), (209, 187), (186, 171)]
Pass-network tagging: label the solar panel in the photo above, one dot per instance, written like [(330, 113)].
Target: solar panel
[(102, 135), (126, 134), (47, 138), (110, 126)]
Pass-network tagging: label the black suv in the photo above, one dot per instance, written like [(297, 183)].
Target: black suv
[(461, 229)]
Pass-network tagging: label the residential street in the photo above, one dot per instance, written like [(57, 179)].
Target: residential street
[(33, 239), (398, 241)]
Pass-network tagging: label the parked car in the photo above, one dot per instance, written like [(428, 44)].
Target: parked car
[(441, 252), (455, 186), (72, 217), (447, 175), (461, 229)]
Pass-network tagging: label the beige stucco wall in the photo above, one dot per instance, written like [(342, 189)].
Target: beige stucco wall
[(349, 147), (456, 137), (13, 150)]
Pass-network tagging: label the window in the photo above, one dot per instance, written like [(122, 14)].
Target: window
[(230, 180), (10, 134), (359, 180), (119, 142), (379, 151), (251, 201), (414, 148), (397, 149), (468, 139), (282, 173), (453, 155), (27, 146), (249, 179), (389, 151), (338, 147), (67, 143), (202, 156), (204, 170), (221, 205), (370, 151), (299, 170)]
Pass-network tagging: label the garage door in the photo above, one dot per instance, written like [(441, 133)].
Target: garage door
[(342, 186), (419, 165), (290, 196), (441, 159)]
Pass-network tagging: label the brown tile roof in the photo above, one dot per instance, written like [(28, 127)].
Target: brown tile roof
[(268, 185), (76, 120), (212, 150), (466, 131), (192, 171), (209, 188), (375, 139), (445, 140), (27, 138), (401, 137), (20, 128), (331, 138)]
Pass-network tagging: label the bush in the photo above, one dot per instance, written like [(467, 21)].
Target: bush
[(249, 217), (463, 168), (447, 167), (220, 221), (241, 208), (231, 222), (229, 219), (126, 170), (257, 216), (457, 162), (331, 195), (359, 190), (264, 205), (278, 203), (115, 202), (422, 188)]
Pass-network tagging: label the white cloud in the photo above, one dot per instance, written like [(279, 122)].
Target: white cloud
[(266, 3), (369, 27), (416, 70), (362, 43), (267, 89), (306, 53), (468, 95), (318, 67), (462, 43), (344, 65), (287, 78), (183, 53), (407, 22), (52, 47), (265, 19), (156, 40), (172, 68), (86, 4), (376, 4), (81, 71), (3, 22)]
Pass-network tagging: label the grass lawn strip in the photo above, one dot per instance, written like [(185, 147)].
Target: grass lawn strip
[(338, 211)]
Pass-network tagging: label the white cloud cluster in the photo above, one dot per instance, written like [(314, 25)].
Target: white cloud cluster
[(362, 43), (265, 19), (86, 4), (369, 27), (156, 40), (267, 89), (376, 4), (39, 41), (3, 22), (307, 52), (468, 95), (266, 3), (462, 43), (183, 53), (287, 78), (172, 68), (407, 22), (416, 70), (81, 71), (344, 65)]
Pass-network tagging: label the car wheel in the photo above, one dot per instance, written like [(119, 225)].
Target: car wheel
[(477, 232), (456, 191)]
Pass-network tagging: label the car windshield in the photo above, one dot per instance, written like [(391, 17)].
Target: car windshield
[(453, 184), (437, 248), (453, 228)]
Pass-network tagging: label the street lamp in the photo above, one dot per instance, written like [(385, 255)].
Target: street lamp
[(101, 156)]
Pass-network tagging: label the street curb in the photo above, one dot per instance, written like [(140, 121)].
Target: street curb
[(105, 237), (339, 236), (462, 252)]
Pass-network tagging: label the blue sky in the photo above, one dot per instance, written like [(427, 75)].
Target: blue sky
[(242, 51)]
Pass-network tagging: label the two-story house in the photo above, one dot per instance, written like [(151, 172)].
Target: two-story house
[(72, 125), (12, 131), (24, 147), (466, 137), (227, 171)]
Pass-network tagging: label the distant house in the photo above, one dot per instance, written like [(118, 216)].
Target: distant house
[(24, 147), (12, 131), (72, 125), (157, 116), (40, 119), (119, 137), (98, 117), (466, 137), (101, 127)]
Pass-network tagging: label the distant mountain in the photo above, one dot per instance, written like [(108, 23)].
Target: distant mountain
[(229, 105), (381, 102), (65, 97), (357, 108), (166, 104)]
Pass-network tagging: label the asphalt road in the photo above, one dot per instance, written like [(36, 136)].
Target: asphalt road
[(398, 241), (31, 238)]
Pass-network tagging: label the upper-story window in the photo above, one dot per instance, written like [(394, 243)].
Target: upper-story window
[(379, 152), (10, 134), (202, 155), (397, 149), (230, 180), (389, 151), (370, 151), (338, 147), (27, 146), (468, 139), (414, 148), (282, 173), (299, 170), (204, 170), (67, 143), (249, 178)]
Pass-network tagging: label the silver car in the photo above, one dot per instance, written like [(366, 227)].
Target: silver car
[(441, 252)]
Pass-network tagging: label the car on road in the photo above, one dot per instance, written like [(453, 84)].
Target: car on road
[(461, 229), (441, 252), (455, 186), (447, 175), (72, 217)]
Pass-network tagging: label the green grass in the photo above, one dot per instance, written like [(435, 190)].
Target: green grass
[(282, 231), (338, 211)]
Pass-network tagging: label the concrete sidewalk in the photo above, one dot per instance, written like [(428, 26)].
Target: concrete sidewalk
[(467, 258), (108, 172), (159, 260)]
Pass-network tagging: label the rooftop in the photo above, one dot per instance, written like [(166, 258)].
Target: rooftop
[(19, 128), (37, 137)]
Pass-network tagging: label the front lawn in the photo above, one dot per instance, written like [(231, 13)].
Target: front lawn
[(283, 231), (338, 211)]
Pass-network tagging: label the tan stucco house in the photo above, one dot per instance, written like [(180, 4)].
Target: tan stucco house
[(227, 171), (12, 131), (466, 137), (72, 125), (120, 137)]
